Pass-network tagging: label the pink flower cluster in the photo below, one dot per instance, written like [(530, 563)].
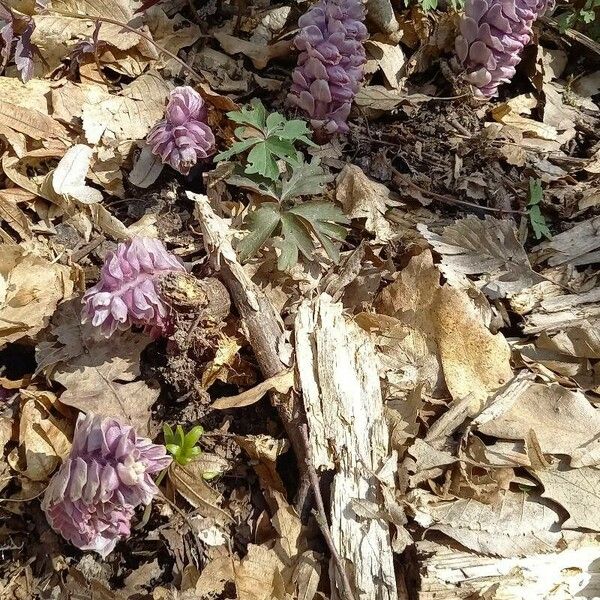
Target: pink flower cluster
[(493, 35), (330, 65), (126, 293), (91, 499), (183, 136)]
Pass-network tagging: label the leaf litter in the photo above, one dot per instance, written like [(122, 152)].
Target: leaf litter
[(455, 240)]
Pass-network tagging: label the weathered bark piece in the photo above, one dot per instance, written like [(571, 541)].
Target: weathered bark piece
[(447, 572), (337, 366), (561, 312)]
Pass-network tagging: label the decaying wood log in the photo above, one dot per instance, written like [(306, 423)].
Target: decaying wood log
[(338, 374), (264, 327), (448, 572)]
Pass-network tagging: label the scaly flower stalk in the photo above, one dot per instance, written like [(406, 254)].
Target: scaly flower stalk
[(183, 136), (91, 499), (330, 65), (126, 293), (493, 35)]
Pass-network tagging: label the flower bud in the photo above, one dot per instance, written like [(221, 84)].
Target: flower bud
[(126, 293)]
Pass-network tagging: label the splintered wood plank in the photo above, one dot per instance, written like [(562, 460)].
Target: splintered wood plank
[(448, 572), (337, 366)]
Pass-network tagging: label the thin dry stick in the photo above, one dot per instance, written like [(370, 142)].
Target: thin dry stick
[(454, 201), (148, 38), (321, 517)]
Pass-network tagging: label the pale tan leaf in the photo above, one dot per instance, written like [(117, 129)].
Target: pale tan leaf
[(188, 480), (475, 362), (68, 179), (378, 97), (259, 54), (576, 490), (282, 382), (518, 524), (265, 450), (44, 440), (31, 122), (580, 245), (30, 289), (89, 390), (146, 169), (363, 198), (391, 60), (128, 116), (11, 213), (258, 574), (172, 34), (562, 419), (489, 246)]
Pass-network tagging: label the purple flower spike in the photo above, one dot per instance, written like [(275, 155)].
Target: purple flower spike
[(183, 136), (493, 35), (91, 499), (330, 65), (126, 293)]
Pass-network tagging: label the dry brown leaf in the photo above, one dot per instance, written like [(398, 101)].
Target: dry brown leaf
[(475, 362), (89, 390), (258, 575), (30, 289), (220, 366), (576, 490), (146, 169), (11, 213), (511, 113), (259, 54), (282, 383), (562, 419), (580, 245), (31, 95), (489, 246), (363, 198), (307, 575), (71, 345), (215, 575), (379, 98), (519, 524), (265, 450), (31, 122), (172, 34), (390, 58), (44, 440), (188, 480), (128, 116), (404, 330)]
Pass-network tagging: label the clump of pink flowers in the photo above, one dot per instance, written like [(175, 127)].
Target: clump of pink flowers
[(330, 65), (91, 499), (183, 136), (493, 35), (127, 293)]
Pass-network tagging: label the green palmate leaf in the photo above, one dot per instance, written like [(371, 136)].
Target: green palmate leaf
[(236, 148), (255, 116), (306, 179), (262, 158), (261, 224), (534, 212), (299, 228), (538, 223), (268, 137), (301, 179)]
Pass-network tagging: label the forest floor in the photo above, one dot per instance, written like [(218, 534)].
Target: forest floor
[(453, 329)]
